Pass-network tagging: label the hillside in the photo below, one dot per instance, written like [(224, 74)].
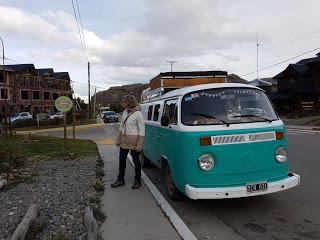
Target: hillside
[(233, 78), (114, 95)]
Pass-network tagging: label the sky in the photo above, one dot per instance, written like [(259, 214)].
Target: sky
[(130, 41)]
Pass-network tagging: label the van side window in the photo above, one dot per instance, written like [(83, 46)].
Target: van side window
[(171, 111), (156, 112), (150, 112)]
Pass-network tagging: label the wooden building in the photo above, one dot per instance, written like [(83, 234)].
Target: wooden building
[(299, 86), (35, 90)]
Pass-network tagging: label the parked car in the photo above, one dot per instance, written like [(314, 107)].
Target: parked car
[(20, 116), (58, 115), (110, 116)]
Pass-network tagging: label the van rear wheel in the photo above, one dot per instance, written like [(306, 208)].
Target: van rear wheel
[(173, 192)]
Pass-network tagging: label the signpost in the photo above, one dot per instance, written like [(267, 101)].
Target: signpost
[(64, 104)]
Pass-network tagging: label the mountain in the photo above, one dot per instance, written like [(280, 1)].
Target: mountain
[(113, 96), (233, 78)]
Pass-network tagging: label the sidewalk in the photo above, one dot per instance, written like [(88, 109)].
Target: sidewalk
[(131, 214)]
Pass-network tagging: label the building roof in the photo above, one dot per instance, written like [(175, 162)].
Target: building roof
[(260, 83), (6, 69), (62, 75), (271, 80), (193, 74), (20, 67), (45, 71), (299, 68)]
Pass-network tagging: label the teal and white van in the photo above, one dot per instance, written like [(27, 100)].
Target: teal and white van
[(219, 140)]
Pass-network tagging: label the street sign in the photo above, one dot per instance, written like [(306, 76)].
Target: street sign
[(63, 104)]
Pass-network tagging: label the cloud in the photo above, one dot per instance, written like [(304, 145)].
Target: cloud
[(199, 34), (196, 29)]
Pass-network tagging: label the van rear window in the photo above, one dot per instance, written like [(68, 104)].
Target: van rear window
[(156, 112)]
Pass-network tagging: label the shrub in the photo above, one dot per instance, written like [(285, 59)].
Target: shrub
[(11, 156), (98, 214), (99, 186)]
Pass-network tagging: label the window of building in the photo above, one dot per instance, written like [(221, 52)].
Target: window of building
[(36, 95), (46, 95), (156, 112), (171, 111), (150, 112), (2, 96), (24, 94), (55, 96), (1, 77)]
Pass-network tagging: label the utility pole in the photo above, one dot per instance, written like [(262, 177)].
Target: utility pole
[(89, 100), (5, 94), (171, 63), (94, 102)]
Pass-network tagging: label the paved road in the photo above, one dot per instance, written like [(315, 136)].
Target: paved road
[(293, 214)]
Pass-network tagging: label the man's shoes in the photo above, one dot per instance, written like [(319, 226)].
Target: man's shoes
[(117, 183), (136, 184)]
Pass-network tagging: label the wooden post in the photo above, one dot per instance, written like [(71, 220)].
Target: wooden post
[(23, 227), (74, 122), (65, 130)]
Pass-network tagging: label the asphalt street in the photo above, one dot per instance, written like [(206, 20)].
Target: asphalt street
[(293, 214)]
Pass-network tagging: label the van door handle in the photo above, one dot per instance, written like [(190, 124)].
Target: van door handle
[(159, 136)]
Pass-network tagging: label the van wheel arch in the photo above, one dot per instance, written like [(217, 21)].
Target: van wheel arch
[(164, 163), (173, 192)]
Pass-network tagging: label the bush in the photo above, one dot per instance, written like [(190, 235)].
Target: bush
[(24, 123), (11, 156), (98, 214), (99, 186)]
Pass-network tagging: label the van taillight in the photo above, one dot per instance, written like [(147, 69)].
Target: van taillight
[(279, 135), (204, 141)]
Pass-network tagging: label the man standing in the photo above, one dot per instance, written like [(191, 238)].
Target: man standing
[(130, 138)]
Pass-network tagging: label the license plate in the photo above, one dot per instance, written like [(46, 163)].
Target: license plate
[(257, 187)]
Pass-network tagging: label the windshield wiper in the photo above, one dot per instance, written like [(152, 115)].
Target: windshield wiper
[(253, 115), (210, 116)]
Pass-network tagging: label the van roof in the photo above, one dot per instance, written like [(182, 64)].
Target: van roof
[(185, 90)]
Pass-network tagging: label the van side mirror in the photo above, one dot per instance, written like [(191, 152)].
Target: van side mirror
[(164, 121)]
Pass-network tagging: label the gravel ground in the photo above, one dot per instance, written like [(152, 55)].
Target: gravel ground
[(61, 189)]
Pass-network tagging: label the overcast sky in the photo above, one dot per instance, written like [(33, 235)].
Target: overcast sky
[(129, 41)]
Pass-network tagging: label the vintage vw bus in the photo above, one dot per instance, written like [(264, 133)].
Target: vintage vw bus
[(217, 141)]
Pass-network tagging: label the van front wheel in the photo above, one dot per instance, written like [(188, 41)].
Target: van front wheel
[(173, 192)]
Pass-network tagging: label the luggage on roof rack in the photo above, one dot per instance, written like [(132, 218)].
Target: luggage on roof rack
[(167, 81)]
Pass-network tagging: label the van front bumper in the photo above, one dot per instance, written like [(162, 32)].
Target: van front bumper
[(237, 192)]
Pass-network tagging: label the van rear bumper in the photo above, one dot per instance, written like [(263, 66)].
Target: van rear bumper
[(237, 192)]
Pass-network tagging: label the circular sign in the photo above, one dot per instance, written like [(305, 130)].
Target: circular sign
[(63, 104)]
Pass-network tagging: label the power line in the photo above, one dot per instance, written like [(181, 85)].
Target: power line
[(79, 32), (284, 61), (277, 45), (84, 39), (12, 60)]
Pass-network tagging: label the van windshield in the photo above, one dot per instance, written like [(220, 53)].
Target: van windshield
[(226, 106)]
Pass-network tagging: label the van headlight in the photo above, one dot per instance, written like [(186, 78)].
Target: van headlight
[(281, 155), (206, 162)]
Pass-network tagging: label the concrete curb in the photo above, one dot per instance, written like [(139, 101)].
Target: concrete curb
[(182, 229), (90, 224)]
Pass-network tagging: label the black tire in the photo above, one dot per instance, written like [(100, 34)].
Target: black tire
[(145, 162), (173, 192)]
